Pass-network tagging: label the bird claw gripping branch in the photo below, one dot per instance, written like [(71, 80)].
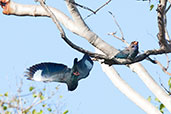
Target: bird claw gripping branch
[(5, 5)]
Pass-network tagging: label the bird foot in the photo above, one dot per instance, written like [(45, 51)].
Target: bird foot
[(5, 5)]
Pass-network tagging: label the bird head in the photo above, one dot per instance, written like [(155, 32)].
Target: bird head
[(73, 82), (134, 45), (74, 68), (72, 85)]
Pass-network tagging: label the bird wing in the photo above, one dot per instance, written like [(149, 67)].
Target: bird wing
[(133, 53), (122, 54), (48, 72), (84, 66)]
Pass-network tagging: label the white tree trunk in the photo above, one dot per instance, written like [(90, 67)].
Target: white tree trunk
[(78, 26), (140, 101)]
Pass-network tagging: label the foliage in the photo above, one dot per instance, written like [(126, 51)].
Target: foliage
[(36, 102), (160, 106), (151, 7), (156, 101)]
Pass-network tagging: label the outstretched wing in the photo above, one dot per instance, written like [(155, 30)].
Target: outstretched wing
[(48, 72), (84, 66)]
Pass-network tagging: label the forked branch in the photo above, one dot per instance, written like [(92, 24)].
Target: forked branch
[(11, 8)]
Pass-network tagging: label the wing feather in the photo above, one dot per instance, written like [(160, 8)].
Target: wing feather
[(48, 72)]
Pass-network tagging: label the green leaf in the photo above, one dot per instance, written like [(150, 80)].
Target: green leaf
[(34, 95), (60, 96), (41, 112), (31, 88), (7, 112), (156, 99), (44, 89), (161, 107), (43, 105), (151, 7), (149, 98), (6, 94), (42, 97), (49, 109), (34, 112), (66, 112), (1, 95), (4, 107), (169, 83), (162, 111)]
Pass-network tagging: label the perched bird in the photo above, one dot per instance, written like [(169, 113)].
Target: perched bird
[(129, 52), (54, 72)]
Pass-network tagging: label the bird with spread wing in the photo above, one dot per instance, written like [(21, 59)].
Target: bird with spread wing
[(55, 72)]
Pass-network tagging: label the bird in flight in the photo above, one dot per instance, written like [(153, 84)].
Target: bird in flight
[(55, 72)]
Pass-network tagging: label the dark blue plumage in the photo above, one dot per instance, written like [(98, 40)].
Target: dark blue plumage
[(54, 72), (83, 67), (129, 52)]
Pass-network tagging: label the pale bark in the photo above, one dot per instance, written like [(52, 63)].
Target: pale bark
[(152, 85), (141, 102), (83, 31), (78, 26), (142, 73)]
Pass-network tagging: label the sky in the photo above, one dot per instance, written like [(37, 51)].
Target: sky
[(26, 41)]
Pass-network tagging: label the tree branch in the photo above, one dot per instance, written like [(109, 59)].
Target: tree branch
[(151, 84), (34, 10), (89, 9), (128, 91), (163, 68), (122, 38), (75, 14), (161, 25), (164, 87)]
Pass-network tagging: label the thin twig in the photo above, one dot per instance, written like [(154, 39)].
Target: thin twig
[(34, 104), (168, 7), (113, 34), (158, 63), (151, 60), (164, 87), (168, 61), (103, 6), (162, 67), (89, 9), (81, 6), (64, 37), (122, 38), (94, 12), (52, 16), (107, 60)]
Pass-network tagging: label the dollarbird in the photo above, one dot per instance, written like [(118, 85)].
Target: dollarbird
[(129, 52), (55, 72)]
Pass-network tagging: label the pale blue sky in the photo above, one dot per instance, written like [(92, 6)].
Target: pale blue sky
[(26, 41)]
